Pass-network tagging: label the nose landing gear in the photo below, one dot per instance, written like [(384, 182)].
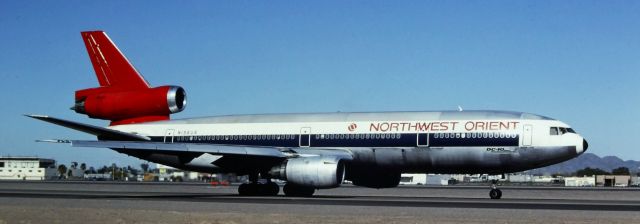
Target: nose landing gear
[(495, 193)]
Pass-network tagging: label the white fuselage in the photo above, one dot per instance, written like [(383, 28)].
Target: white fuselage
[(448, 142)]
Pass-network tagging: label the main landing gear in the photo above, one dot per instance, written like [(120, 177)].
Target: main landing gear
[(495, 193), (255, 188)]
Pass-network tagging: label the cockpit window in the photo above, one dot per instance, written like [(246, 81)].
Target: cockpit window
[(563, 131), (560, 131)]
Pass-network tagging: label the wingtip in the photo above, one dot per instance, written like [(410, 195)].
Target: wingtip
[(54, 141), (36, 116)]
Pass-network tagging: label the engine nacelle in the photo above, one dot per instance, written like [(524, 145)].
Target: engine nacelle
[(126, 107), (318, 171)]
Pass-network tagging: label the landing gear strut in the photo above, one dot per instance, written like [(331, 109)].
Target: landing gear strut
[(255, 188), (495, 193)]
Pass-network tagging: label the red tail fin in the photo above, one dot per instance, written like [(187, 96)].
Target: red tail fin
[(111, 66), (124, 97)]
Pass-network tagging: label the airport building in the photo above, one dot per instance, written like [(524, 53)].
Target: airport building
[(413, 179), (613, 180), (580, 181), (27, 168)]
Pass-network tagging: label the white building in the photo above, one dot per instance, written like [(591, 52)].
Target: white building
[(413, 179), (26, 168), (580, 181), (438, 179), (167, 173)]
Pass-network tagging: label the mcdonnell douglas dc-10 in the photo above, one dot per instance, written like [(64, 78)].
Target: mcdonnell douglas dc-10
[(308, 151)]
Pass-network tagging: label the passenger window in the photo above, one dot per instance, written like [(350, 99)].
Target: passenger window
[(553, 131)]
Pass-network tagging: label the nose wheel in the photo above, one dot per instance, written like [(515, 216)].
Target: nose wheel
[(495, 193)]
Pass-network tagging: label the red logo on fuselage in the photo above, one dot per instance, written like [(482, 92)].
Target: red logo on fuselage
[(352, 127)]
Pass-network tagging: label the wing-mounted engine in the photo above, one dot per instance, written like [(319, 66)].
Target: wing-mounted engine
[(318, 171), (130, 106)]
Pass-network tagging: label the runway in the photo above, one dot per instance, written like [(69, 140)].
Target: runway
[(202, 203)]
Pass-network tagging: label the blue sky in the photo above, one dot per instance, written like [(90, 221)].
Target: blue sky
[(577, 61)]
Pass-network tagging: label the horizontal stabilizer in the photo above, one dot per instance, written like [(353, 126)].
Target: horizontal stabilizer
[(102, 133)]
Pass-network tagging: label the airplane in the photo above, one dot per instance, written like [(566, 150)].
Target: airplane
[(308, 151)]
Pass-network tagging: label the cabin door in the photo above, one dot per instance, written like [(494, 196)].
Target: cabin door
[(305, 137), (423, 140), (168, 136), (527, 135)]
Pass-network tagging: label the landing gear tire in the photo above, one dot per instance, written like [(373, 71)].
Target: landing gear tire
[(292, 190), (495, 193), (271, 189), (247, 189)]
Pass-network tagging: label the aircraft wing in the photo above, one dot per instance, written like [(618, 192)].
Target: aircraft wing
[(191, 156), (205, 157), (184, 147), (216, 149)]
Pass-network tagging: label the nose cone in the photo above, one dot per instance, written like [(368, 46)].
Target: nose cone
[(585, 145), (582, 147)]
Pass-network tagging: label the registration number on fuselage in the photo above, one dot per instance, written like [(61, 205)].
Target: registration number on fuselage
[(499, 149)]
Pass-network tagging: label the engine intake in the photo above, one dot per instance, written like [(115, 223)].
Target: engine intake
[(318, 171)]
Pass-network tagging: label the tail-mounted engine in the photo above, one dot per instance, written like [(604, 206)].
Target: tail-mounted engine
[(130, 106)]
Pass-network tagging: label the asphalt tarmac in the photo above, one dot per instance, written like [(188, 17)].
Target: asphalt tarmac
[(117, 202)]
